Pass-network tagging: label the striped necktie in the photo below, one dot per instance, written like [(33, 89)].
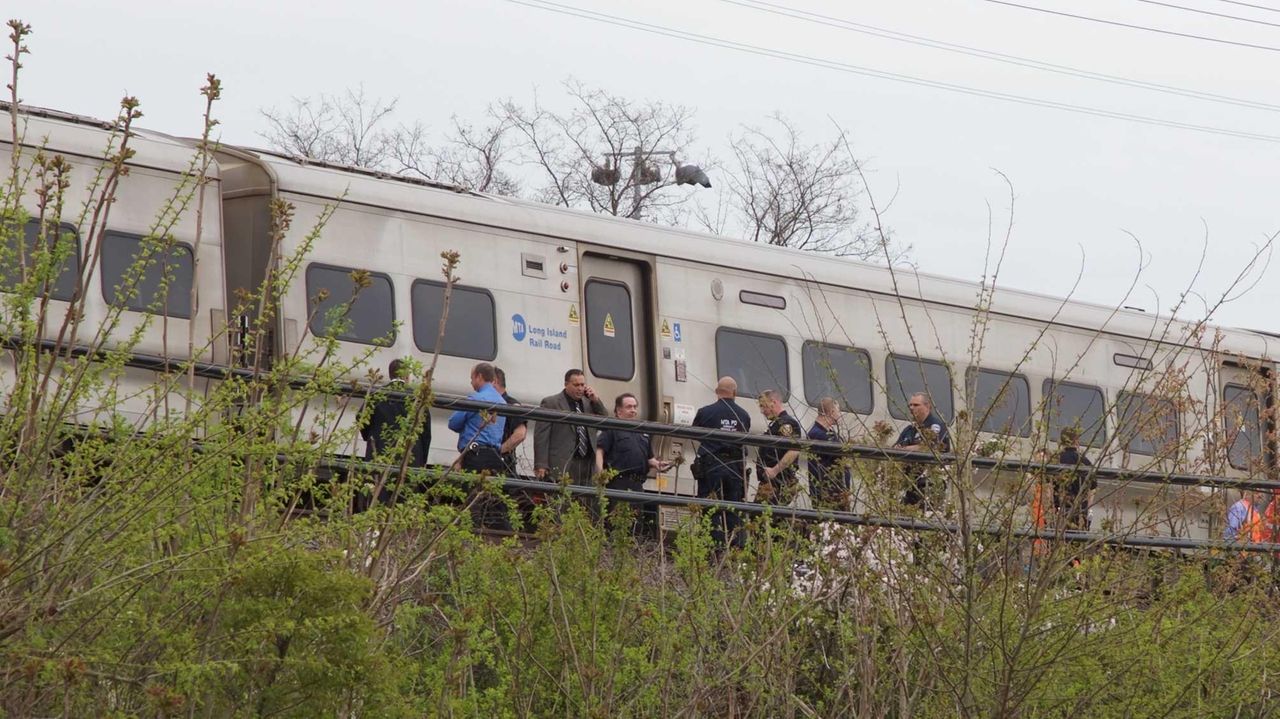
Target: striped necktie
[(582, 448)]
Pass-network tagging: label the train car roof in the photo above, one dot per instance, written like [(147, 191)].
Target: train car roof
[(327, 182), (86, 137)]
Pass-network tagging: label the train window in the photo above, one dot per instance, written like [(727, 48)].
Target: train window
[(757, 361), (611, 341), (747, 297), (906, 376), (1001, 401), (64, 287), (471, 330), (1242, 426), (840, 372), (366, 315), (1146, 424), (161, 283), (1133, 361), (1081, 406)]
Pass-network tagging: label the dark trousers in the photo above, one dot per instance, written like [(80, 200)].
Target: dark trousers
[(646, 514), (780, 490), (926, 492), (828, 488), (486, 510), (581, 470), (723, 480)]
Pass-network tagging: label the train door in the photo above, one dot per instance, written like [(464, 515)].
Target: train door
[(617, 328), (1245, 424)]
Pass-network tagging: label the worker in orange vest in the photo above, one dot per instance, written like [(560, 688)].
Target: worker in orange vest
[(1271, 519), (1244, 524)]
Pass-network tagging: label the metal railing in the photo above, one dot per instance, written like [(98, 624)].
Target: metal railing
[(540, 414)]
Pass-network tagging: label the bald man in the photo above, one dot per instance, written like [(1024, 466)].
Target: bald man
[(719, 464)]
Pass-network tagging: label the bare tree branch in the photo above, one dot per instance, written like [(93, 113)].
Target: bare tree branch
[(792, 194)]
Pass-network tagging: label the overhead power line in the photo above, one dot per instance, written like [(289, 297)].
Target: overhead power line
[(1209, 12), (1246, 4), (712, 41), (851, 26), (1117, 23)]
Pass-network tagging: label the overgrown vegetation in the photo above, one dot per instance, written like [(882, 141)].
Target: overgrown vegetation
[(146, 574)]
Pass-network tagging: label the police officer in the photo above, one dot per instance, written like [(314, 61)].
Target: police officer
[(1073, 493), (777, 467), (628, 454), (718, 466), (926, 433), (516, 428), (828, 481)]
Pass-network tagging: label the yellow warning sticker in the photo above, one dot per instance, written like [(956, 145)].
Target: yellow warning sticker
[(666, 329), (608, 325), (573, 315)]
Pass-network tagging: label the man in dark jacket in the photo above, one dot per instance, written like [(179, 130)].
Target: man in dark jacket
[(385, 418), (1073, 492), (560, 449), (388, 417), (926, 433)]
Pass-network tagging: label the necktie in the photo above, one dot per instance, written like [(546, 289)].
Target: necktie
[(582, 449)]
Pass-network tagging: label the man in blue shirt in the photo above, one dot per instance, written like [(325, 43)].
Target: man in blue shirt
[(480, 436)]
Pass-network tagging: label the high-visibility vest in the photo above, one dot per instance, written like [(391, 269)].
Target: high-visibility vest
[(1271, 520), (1251, 527)]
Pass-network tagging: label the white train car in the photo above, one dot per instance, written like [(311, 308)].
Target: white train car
[(148, 204), (662, 313)]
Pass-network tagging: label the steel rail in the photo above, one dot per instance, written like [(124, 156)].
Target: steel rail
[(911, 524), (222, 372)]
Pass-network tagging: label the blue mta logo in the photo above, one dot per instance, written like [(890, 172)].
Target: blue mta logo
[(517, 328)]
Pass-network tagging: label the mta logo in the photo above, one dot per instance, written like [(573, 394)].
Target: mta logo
[(518, 328)]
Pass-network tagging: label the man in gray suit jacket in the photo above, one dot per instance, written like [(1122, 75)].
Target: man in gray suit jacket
[(560, 449)]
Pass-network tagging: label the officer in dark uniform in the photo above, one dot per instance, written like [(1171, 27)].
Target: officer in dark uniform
[(828, 480), (718, 466), (926, 433), (1073, 492), (516, 428), (777, 467), (628, 454), (387, 416)]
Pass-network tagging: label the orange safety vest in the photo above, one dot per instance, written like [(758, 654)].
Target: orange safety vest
[(1038, 547), (1271, 521), (1252, 526)]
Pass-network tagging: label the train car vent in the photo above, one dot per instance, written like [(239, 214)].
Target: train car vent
[(533, 265), (1131, 361), (748, 297)]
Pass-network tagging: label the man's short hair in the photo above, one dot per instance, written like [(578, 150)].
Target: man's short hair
[(771, 394), (398, 369), (826, 404), (924, 396), (502, 376), (485, 370), (569, 375), (617, 401)]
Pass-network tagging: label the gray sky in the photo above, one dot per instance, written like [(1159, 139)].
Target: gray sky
[(1083, 184)]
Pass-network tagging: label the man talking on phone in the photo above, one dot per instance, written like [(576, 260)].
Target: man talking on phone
[(560, 449)]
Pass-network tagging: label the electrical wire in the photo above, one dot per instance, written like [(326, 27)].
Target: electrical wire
[(1209, 12), (851, 26), (712, 41), (1117, 23), (1251, 5)]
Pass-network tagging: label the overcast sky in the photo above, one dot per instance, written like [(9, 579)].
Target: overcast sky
[(1085, 185)]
